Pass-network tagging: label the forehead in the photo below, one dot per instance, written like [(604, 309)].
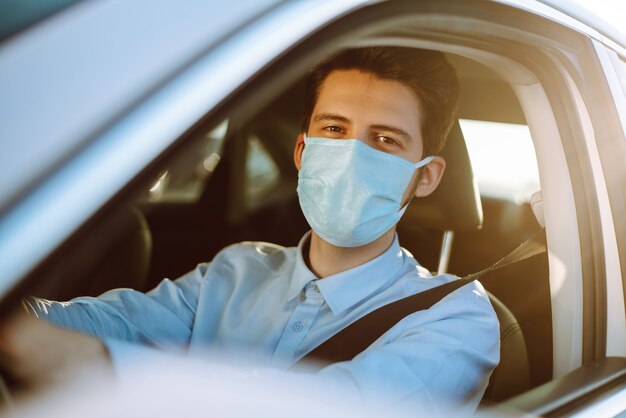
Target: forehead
[(363, 97)]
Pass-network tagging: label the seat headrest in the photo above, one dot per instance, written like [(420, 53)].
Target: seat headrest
[(455, 204)]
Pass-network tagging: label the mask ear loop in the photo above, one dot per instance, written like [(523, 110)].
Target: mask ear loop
[(422, 163)]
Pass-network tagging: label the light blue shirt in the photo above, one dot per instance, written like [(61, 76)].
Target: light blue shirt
[(263, 297)]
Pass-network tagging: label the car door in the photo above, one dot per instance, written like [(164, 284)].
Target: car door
[(566, 75)]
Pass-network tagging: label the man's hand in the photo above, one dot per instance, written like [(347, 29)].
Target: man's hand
[(35, 353)]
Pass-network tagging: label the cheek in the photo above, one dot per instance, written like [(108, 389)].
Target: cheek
[(417, 150), (412, 187)]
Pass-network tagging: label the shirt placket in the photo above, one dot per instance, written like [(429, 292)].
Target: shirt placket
[(298, 326)]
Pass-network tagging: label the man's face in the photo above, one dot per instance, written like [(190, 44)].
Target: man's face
[(384, 114)]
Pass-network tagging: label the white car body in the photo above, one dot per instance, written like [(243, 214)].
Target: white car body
[(95, 93)]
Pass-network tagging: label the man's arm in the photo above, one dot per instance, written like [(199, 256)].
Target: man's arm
[(161, 317), (34, 352), (437, 358)]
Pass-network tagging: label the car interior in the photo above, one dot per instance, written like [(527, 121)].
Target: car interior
[(234, 180)]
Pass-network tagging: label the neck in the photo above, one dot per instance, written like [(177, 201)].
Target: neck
[(325, 259)]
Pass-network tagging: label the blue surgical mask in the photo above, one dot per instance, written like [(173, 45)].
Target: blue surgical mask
[(350, 193)]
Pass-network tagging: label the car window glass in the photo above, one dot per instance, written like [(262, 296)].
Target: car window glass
[(503, 159), (184, 180), (262, 173)]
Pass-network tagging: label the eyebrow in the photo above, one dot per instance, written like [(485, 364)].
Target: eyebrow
[(331, 116)]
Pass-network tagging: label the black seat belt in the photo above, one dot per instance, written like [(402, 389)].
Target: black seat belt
[(359, 335)]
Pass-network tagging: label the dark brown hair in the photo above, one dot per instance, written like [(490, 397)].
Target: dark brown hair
[(427, 73)]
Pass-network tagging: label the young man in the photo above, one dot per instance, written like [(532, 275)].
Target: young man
[(375, 119)]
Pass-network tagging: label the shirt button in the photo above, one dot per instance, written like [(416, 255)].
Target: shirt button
[(297, 326)]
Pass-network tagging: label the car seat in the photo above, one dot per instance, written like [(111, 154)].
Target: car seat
[(455, 206)]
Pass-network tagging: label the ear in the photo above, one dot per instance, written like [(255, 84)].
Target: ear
[(431, 176), (297, 152)]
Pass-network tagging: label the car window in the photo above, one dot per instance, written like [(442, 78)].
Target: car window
[(184, 180), (261, 173), (503, 159)]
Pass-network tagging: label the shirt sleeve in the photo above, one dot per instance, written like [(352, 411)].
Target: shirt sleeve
[(162, 317), (440, 358)]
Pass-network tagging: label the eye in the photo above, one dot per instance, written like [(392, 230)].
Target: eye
[(333, 128), (333, 131), (386, 140)]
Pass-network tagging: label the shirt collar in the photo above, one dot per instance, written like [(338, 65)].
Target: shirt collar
[(343, 290), (301, 273)]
